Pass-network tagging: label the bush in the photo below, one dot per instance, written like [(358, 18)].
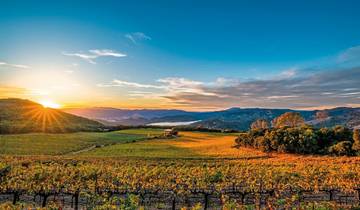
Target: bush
[(302, 140), (243, 139), (342, 148), (263, 144), (356, 138), (289, 119)]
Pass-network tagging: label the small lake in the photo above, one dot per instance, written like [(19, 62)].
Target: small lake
[(173, 123)]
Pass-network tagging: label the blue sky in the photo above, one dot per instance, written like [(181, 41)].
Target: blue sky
[(180, 54)]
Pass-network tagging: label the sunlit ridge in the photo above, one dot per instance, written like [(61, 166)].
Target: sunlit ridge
[(50, 104)]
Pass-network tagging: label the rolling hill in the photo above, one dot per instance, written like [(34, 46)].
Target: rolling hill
[(24, 116), (113, 116)]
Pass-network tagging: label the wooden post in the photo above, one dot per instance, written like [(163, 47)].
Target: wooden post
[(76, 197), (15, 198), (173, 202), (45, 196), (206, 201)]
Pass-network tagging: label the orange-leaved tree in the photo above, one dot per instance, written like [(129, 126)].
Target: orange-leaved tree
[(289, 119)]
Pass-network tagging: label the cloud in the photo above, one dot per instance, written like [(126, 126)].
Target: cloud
[(19, 66), (293, 88), (69, 71), (12, 92), (100, 53), (93, 54), (350, 54), (169, 85), (288, 73), (137, 37), (182, 85), (122, 83), (328, 88)]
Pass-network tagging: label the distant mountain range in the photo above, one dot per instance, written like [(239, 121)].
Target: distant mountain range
[(24, 116), (233, 118)]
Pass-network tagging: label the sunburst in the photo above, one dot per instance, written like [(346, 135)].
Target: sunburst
[(50, 104), (45, 117)]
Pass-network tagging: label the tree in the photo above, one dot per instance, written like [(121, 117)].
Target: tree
[(322, 115), (356, 138), (289, 119), (260, 124), (244, 139), (341, 148), (342, 133)]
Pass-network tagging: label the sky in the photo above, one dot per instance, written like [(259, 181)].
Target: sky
[(191, 55)]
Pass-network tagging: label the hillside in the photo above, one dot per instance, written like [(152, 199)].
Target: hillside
[(115, 116), (233, 118), (24, 116)]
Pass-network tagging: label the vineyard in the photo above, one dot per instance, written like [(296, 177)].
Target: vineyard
[(205, 172), (172, 184)]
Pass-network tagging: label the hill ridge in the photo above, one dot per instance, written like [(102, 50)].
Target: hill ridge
[(24, 116)]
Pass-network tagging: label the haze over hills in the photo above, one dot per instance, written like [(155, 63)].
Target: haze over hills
[(24, 116), (126, 116), (233, 118)]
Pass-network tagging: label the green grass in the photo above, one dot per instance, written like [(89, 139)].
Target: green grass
[(143, 149), (143, 131), (158, 148), (125, 143), (58, 144)]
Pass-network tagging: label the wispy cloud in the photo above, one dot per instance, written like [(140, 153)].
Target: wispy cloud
[(335, 88), (122, 83), (183, 85), (300, 91), (9, 91), (350, 54), (19, 66), (94, 54), (105, 52), (69, 71), (163, 87), (349, 57), (288, 73), (137, 37)]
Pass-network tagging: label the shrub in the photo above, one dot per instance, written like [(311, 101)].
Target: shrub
[(342, 148), (260, 124), (289, 119), (243, 140), (303, 140)]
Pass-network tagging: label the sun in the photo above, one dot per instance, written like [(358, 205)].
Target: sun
[(50, 104)]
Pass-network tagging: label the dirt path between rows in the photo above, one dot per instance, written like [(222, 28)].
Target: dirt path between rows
[(80, 151)]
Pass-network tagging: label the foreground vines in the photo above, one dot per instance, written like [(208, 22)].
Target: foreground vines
[(279, 178)]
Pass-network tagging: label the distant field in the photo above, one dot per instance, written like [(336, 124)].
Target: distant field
[(143, 131), (126, 143), (188, 145), (58, 144)]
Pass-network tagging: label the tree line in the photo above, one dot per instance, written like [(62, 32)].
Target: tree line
[(289, 133)]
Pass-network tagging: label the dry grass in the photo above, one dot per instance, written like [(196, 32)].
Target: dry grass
[(214, 145)]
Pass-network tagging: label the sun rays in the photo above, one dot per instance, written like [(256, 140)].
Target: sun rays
[(50, 104), (46, 118)]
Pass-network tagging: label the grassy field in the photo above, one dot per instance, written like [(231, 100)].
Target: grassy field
[(58, 144), (126, 143), (131, 143), (188, 145), (143, 131)]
